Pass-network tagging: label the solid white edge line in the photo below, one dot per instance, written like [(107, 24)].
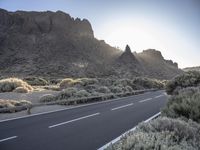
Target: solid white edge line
[(123, 106), (148, 99), (84, 117), (122, 135), (73, 107), (9, 138)]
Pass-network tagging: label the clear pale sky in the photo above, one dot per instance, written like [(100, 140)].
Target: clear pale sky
[(171, 26)]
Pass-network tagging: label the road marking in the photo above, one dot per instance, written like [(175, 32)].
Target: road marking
[(122, 106), (73, 107), (159, 96), (9, 138), (124, 134), (148, 99), (59, 124)]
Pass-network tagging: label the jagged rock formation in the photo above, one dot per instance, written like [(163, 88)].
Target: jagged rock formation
[(55, 44), (155, 64)]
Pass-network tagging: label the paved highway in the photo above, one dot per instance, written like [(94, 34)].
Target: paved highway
[(82, 128)]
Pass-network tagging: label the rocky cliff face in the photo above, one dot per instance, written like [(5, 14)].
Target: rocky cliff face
[(55, 44)]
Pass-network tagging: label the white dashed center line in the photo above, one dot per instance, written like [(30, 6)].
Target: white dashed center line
[(9, 138), (59, 124), (159, 96), (122, 106), (148, 99)]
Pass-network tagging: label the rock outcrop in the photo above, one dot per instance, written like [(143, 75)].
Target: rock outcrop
[(55, 44)]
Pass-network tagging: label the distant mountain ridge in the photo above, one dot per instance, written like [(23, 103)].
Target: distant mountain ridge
[(55, 44), (197, 68)]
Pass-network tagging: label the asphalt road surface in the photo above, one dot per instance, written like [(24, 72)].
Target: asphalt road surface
[(82, 128)]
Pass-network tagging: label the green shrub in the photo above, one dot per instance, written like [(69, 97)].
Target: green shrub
[(36, 81), (185, 104), (188, 79), (10, 84), (48, 98), (161, 134)]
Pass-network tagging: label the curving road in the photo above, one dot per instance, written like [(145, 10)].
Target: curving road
[(82, 128)]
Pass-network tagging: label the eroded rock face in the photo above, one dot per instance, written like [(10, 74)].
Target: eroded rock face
[(55, 44)]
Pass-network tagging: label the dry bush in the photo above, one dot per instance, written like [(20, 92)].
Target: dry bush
[(81, 94), (88, 81), (10, 84), (36, 81), (13, 103), (21, 90), (161, 134), (116, 89), (69, 82), (67, 93), (48, 98), (103, 89), (147, 83)]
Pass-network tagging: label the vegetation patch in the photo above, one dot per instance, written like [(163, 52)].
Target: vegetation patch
[(185, 104), (10, 84), (188, 79), (13, 103), (161, 134), (36, 81)]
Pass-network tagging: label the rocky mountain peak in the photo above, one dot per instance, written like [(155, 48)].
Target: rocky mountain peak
[(152, 53), (128, 57)]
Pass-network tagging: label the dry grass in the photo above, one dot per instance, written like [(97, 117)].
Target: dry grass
[(21, 90), (13, 103), (10, 84)]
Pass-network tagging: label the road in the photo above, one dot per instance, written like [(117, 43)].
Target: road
[(82, 128)]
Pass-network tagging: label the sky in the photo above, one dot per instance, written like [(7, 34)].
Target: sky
[(170, 26)]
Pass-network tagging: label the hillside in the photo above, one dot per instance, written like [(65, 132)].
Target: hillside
[(197, 68), (55, 44)]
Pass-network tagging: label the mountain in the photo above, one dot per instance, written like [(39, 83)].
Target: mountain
[(197, 68), (55, 44)]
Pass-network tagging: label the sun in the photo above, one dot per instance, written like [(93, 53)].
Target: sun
[(138, 36)]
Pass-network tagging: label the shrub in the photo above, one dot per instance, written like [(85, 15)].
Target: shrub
[(185, 104), (162, 133), (147, 83), (189, 79), (103, 89), (21, 90), (116, 89), (36, 81), (82, 93), (13, 103), (88, 81), (10, 84), (48, 98), (123, 82), (68, 82), (127, 89), (67, 93)]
